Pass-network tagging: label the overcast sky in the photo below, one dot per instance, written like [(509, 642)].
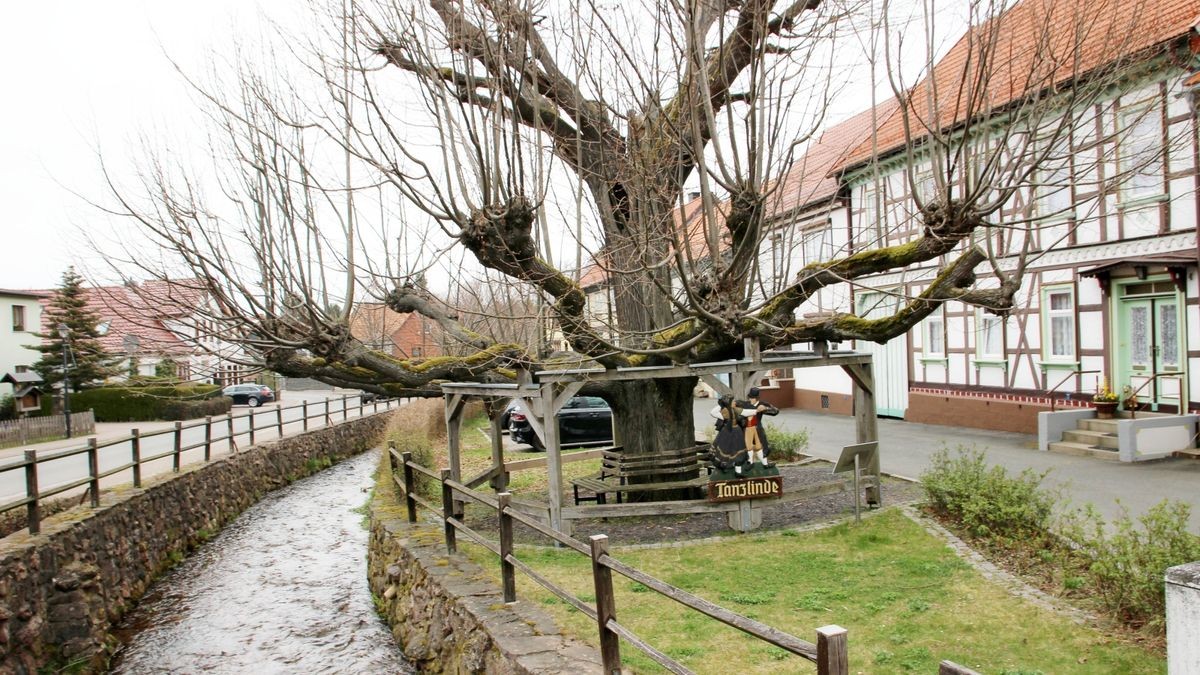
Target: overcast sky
[(79, 75)]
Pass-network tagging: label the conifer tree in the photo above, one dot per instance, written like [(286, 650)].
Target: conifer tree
[(88, 362)]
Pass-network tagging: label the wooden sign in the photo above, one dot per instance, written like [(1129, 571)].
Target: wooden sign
[(762, 487)]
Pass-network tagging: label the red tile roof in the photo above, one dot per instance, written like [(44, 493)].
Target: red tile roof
[(807, 180), (139, 310), (1031, 45)]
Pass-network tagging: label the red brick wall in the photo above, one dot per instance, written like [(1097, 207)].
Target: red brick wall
[(808, 399), (974, 412)]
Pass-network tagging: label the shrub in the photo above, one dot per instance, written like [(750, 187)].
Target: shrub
[(413, 428), (1128, 562), (8, 407), (987, 502), (786, 445), (127, 404)]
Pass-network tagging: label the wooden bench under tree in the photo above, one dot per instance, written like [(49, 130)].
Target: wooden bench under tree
[(622, 474)]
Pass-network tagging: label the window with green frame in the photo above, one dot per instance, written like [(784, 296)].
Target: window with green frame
[(1058, 323), (989, 337)]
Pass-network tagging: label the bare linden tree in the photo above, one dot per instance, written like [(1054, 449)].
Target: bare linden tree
[(501, 133)]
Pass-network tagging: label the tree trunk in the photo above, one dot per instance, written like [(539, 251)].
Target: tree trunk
[(653, 416)]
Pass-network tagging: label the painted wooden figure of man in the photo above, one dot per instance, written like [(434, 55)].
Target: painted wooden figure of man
[(753, 409)]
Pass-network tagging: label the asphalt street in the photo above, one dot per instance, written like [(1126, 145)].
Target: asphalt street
[(906, 449)]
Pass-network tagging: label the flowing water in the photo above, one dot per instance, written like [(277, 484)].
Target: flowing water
[(282, 589)]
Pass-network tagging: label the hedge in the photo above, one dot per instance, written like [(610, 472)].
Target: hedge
[(128, 404)]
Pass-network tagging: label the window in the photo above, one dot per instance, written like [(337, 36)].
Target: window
[(813, 244), (935, 335), (18, 317), (20, 369), (1140, 153), (1058, 324), (990, 344)]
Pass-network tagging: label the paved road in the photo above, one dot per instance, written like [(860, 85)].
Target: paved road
[(906, 447), (65, 470)]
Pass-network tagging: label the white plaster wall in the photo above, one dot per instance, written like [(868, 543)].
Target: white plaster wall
[(13, 343), (1183, 619)]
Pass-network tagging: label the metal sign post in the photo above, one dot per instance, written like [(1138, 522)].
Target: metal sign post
[(851, 459)]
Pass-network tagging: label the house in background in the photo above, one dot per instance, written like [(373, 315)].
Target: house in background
[(402, 335), (1111, 291), (20, 319)]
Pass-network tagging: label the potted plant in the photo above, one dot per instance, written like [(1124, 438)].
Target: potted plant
[(1106, 401)]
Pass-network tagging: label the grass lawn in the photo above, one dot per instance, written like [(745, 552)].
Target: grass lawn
[(907, 600)]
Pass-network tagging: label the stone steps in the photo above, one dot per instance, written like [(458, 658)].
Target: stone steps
[(1101, 439), (1084, 450)]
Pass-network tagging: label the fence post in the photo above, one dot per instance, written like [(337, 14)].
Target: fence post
[(346, 408), (409, 486), (375, 403), (448, 512), (508, 573), (135, 452), (361, 405), (207, 437), (252, 426), (328, 421), (178, 447), (279, 420), (606, 606), (33, 510), (232, 438), (93, 454), (304, 405), (833, 657)]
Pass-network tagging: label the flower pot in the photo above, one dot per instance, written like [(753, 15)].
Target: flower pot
[(1106, 410)]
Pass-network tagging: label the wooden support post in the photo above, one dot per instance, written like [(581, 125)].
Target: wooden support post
[(232, 438), (508, 573), (175, 456), (866, 423), (93, 459), (207, 437), (500, 480), (135, 448), (455, 404), (360, 405), (345, 408), (606, 607), (328, 419), (279, 420), (33, 510), (549, 413), (448, 512), (252, 426), (410, 485), (833, 656)]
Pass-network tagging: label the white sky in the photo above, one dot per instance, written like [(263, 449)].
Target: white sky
[(82, 75)]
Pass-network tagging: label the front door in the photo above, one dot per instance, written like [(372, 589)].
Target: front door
[(1149, 354), (889, 361)]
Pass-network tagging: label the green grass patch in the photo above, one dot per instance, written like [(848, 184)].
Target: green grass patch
[(906, 599)]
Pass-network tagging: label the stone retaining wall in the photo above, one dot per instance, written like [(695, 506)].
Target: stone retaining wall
[(62, 590), (448, 615)]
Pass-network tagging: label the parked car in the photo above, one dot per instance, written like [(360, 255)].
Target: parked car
[(506, 416), (583, 420), (252, 395)]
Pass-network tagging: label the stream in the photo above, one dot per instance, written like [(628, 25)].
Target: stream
[(281, 589)]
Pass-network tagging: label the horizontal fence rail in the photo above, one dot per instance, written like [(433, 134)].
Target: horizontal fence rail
[(207, 433), (830, 653)]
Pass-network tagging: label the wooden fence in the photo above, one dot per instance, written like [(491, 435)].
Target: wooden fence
[(223, 425), (30, 429), (830, 653)]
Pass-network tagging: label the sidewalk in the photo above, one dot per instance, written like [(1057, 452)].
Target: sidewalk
[(107, 431), (906, 447)]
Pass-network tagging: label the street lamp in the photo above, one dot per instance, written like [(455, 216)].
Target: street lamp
[(65, 334)]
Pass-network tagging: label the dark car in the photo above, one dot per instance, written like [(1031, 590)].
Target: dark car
[(252, 395), (583, 420), (514, 406)]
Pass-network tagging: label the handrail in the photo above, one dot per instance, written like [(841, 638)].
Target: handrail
[(1074, 373), (32, 459), (1149, 379), (829, 653)]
